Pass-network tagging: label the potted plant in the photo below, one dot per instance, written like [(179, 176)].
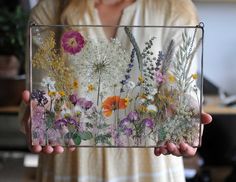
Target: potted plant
[(12, 54)]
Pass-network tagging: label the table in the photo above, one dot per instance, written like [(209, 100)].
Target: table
[(213, 105)]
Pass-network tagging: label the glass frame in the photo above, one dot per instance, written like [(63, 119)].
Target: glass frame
[(133, 128)]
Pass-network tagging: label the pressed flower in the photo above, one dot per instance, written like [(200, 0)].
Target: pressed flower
[(73, 99), (159, 77), (130, 85), (60, 122), (126, 101), (124, 122), (140, 79), (142, 96), (90, 88), (104, 62), (150, 97), (133, 116), (72, 42), (148, 122), (171, 78), (75, 84), (39, 96), (152, 108), (84, 104), (142, 108), (128, 131), (152, 91), (62, 93), (195, 76), (48, 83), (52, 93), (113, 103)]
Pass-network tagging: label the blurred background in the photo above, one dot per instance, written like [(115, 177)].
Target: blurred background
[(215, 160)]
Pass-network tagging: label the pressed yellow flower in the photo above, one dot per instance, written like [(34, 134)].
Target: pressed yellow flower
[(62, 93), (75, 84), (142, 96), (140, 78), (126, 101), (195, 76), (171, 78), (51, 93), (142, 108), (90, 88)]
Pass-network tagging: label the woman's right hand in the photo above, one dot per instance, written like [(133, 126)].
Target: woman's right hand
[(26, 121)]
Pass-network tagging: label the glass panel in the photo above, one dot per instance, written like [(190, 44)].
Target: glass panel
[(142, 88)]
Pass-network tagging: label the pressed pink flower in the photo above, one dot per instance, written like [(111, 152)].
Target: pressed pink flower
[(159, 77), (72, 42)]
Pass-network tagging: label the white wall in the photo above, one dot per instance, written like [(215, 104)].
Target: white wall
[(220, 43)]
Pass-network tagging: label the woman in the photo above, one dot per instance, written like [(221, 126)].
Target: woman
[(107, 164)]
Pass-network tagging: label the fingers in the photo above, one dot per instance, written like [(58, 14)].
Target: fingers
[(26, 96), (182, 150), (206, 118), (50, 149), (187, 150)]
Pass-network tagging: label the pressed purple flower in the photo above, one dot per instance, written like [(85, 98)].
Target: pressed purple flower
[(124, 122), (60, 122), (127, 77), (39, 96), (130, 65), (72, 121), (148, 122), (80, 101), (128, 131), (84, 104), (73, 99), (133, 116), (87, 105), (123, 82), (159, 77), (72, 42)]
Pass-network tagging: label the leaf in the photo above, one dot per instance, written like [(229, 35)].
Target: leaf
[(86, 135), (77, 139)]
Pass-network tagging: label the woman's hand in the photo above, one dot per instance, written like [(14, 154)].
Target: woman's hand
[(26, 120), (183, 149)]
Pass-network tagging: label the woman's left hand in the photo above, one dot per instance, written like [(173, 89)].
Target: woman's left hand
[(183, 149)]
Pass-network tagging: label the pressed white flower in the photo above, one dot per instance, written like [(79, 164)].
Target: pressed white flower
[(152, 91), (150, 97), (101, 63), (48, 83), (130, 85), (141, 101), (152, 107), (66, 113)]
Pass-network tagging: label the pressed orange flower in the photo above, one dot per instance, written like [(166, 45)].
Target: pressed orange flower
[(195, 76), (113, 103)]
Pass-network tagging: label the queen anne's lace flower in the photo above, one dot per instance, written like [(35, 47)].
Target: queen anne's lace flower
[(101, 64)]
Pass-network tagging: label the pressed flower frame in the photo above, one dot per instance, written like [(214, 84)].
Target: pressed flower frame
[(140, 89)]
